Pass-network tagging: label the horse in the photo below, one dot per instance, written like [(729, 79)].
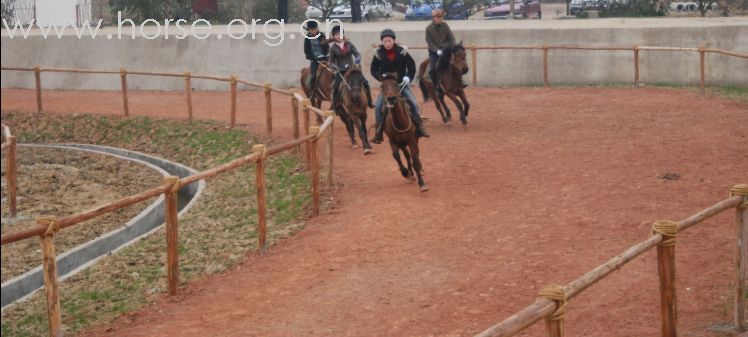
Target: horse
[(400, 130), (450, 78), (325, 79), (352, 109)]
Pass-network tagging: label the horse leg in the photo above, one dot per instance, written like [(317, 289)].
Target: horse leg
[(351, 129), (362, 133), (453, 98), (432, 90), (410, 162), (464, 102), (396, 155), (416, 154), (440, 98)]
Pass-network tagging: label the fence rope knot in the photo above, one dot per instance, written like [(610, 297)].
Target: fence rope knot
[(187, 74), (174, 181), (306, 103), (262, 149), (267, 85), (667, 229), (314, 130), (329, 113), (37, 69), (122, 71), (50, 222), (741, 190), (232, 79), (556, 293)]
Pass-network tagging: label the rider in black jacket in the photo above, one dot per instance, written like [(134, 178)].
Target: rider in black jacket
[(390, 57), (315, 50)]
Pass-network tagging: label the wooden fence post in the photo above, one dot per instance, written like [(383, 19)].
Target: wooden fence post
[(268, 109), (315, 170), (702, 55), (555, 322), (545, 66), (295, 115), (636, 66), (741, 217), (38, 79), (330, 139), (172, 233), (260, 187), (232, 85), (474, 63), (666, 270), (305, 104), (123, 77), (12, 175), (188, 93), (49, 263)]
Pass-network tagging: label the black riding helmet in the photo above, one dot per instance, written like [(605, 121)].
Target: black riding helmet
[(387, 32), (311, 25), (335, 30)]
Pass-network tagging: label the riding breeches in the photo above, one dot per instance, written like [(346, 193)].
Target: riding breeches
[(313, 66)]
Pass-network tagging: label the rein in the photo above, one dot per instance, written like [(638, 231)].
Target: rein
[(400, 103)]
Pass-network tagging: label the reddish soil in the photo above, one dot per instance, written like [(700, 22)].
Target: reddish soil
[(541, 187)]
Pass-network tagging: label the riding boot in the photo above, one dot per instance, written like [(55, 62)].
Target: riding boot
[(335, 98), (379, 135), (368, 95), (420, 129)]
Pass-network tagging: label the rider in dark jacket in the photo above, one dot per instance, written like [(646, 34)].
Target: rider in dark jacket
[(390, 57), (439, 37), (342, 54), (315, 49)]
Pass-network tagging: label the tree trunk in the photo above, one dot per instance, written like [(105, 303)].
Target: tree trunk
[(283, 10), (355, 10)]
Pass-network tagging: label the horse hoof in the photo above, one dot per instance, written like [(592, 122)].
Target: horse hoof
[(424, 188), (368, 151), (464, 122), (445, 120), (354, 146)]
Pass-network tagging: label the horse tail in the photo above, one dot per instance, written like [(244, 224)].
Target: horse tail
[(421, 83), (424, 90)]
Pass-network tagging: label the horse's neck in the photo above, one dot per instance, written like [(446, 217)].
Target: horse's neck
[(400, 114)]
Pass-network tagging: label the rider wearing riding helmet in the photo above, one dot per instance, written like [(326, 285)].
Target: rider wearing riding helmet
[(342, 53), (315, 48), (439, 37), (390, 57)]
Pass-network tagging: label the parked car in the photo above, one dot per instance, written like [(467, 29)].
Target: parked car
[(369, 10), (422, 10), (522, 9), (576, 6), (313, 13)]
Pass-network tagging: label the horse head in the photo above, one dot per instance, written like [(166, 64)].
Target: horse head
[(355, 80), (390, 89), (458, 58)]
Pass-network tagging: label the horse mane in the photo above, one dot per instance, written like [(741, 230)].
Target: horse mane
[(444, 60)]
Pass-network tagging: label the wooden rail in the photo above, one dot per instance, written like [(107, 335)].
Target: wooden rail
[(48, 226), (635, 49), (11, 170), (542, 308)]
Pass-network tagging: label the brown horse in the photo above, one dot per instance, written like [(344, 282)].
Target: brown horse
[(400, 130), (353, 108), (325, 78), (452, 65)]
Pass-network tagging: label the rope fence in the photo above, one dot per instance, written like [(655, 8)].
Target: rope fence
[(552, 301), (634, 49), (48, 226)]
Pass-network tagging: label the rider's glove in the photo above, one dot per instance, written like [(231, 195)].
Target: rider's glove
[(406, 80), (357, 60), (439, 52)]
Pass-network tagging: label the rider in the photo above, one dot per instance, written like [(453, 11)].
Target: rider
[(315, 49), (438, 38), (390, 57), (342, 52)]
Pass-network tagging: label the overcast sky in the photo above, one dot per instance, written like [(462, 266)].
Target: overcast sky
[(55, 12)]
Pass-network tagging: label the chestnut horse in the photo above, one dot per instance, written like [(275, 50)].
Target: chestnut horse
[(451, 67), (400, 130), (325, 78)]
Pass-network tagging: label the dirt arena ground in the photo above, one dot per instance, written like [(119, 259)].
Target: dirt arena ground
[(542, 186)]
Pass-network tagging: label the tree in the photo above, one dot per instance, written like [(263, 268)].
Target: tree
[(355, 10), (283, 10), (451, 7), (326, 6), (140, 10)]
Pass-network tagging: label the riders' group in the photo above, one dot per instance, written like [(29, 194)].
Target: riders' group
[(389, 57)]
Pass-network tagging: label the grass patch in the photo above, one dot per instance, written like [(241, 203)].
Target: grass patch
[(215, 235)]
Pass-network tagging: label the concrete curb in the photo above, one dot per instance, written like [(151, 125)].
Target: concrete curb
[(150, 219)]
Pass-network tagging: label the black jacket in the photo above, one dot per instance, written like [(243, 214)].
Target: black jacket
[(403, 64), (322, 43), (343, 59)]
